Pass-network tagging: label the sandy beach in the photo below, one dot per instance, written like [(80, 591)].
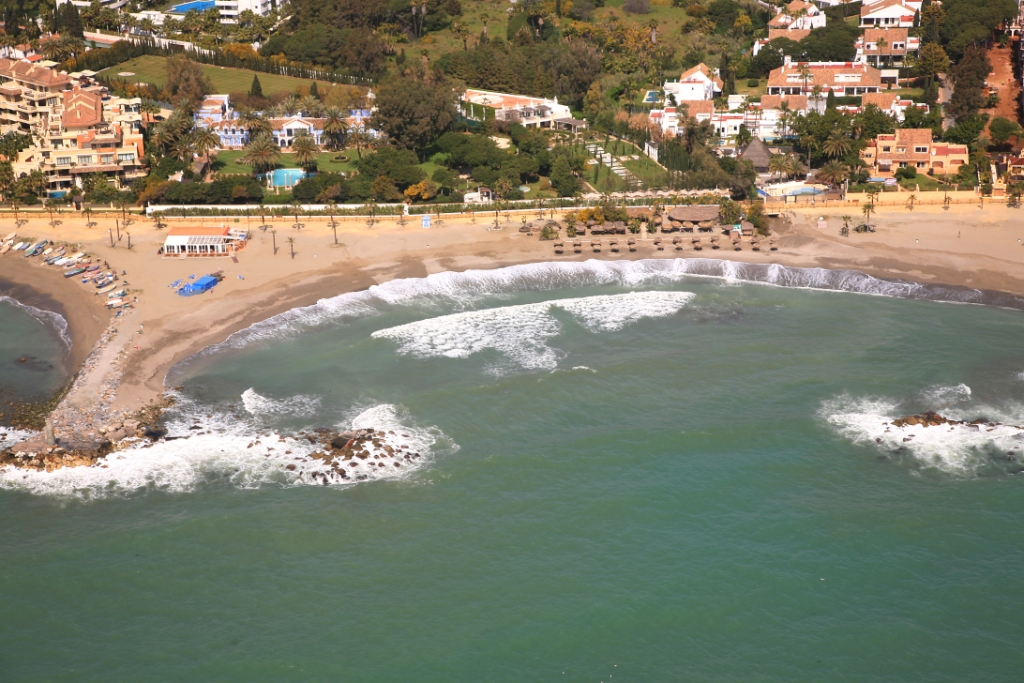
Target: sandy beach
[(965, 245)]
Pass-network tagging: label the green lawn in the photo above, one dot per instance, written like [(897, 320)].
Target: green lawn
[(153, 69), (225, 163), (644, 168), (923, 183)]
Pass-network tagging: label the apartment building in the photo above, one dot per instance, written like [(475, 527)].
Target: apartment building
[(230, 9), (842, 78), (913, 147), (530, 112), (29, 93), (886, 46)]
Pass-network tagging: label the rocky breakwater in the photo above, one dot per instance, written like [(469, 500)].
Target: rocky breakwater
[(356, 455), (84, 446), (933, 419)]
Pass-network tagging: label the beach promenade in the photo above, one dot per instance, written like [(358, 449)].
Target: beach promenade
[(964, 246)]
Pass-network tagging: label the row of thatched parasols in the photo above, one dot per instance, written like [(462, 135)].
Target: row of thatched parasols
[(677, 243)]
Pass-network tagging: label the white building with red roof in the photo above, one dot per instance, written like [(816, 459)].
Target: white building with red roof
[(888, 14), (531, 112), (696, 84)]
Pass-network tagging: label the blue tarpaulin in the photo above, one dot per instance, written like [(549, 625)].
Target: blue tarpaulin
[(203, 284)]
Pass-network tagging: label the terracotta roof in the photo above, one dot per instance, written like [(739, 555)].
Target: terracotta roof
[(757, 153), (101, 168), (884, 4), (279, 124), (704, 70), (796, 34), (882, 100), (825, 74), (81, 109), (198, 231), (891, 35), (695, 107), (795, 102), (32, 73), (905, 139)]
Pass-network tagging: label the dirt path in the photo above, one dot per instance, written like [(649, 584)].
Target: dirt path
[(1003, 78)]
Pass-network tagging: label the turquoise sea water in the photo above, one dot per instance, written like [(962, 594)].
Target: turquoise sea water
[(627, 473), (32, 352)]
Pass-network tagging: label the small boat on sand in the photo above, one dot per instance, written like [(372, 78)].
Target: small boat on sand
[(107, 288), (9, 237), (117, 295), (73, 272)]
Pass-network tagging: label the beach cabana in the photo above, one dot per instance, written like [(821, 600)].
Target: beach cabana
[(203, 241)]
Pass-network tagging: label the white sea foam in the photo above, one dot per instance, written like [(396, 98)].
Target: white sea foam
[(258, 405), (53, 320), (940, 396), (10, 436), (463, 289), (520, 333), (234, 451), (957, 449)]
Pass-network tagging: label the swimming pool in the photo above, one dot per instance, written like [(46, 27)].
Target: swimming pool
[(287, 177), (197, 5), (652, 96)]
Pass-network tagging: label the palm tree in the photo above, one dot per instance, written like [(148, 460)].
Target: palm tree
[(837, 145), (311, 106), (910, 201), (834, 172), (204, 141), (845, 232), (335, 128), (777, 164), (149, 109), (305, 151), (255, 124), (867, 210), (882, 44), (262, 154), (184, 149), (291, 245), (792, 166), (291, 105)]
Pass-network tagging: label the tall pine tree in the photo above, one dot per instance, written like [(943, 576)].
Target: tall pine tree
[(256, 90)]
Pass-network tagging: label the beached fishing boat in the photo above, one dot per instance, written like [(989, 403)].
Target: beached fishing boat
[(4, 249), (73, 272), (107, 288), (117, 295), (38, 249), (78, 255), (10, 237), (19, 246), (47, 251), (30, 250), (92, 268)]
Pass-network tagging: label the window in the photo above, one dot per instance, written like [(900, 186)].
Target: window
[(63, 161), (887, 148), (126, 156), (106, 158), (921, 149), (85, 158)]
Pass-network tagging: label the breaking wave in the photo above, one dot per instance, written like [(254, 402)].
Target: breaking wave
[(53, 320), (10, 436), (206, 448), (520, 332), (463, 289), (300, 406), (961, 449)]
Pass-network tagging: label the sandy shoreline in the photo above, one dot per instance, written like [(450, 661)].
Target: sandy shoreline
[(964, 246), (47, 289)]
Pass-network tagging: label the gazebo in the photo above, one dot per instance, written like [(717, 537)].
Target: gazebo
[(758, 154)]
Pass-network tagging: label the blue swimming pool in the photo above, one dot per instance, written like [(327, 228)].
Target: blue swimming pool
[(652, 96), (197, 5), (287, 177)]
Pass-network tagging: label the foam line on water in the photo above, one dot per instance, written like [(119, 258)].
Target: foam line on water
[(229, 450), (49, 318), (955, 449), (520, 333), (258, 405), (10, 436), (462, 289)]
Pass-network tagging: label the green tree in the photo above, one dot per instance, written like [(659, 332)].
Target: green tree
[(1001, 130), (305, 151), (413, 113), (262, 154), (255, 90)]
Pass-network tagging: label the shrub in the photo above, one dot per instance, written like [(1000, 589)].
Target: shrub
[(549, 232), (753, 83), (637, 6)]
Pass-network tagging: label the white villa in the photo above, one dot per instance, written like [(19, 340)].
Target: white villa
[(700, 83), (531, 112), (889, 14)]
